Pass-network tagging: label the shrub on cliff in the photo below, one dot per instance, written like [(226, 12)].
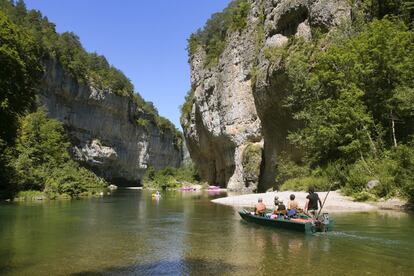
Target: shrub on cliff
[(187, 106), (67, 49), (213, 36), (251, 161)]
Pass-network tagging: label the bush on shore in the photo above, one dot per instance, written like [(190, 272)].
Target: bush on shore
[(169, 177), (43, 162)]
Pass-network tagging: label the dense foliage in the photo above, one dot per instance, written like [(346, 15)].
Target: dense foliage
[(67, 49), (171, 177), (355, 98), (213, 36), (43, 161), (19, 74), (356, 90), (381, 8)]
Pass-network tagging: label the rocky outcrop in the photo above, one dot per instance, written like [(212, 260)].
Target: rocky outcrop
[(223, 116), (239, 102), (104, 131)]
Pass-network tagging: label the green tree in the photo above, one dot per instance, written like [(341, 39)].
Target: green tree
[(41, 147), (381, 8), (44, 162), (20, 71), (355, 92)]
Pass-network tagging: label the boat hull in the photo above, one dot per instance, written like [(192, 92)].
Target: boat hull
[(305, 227)]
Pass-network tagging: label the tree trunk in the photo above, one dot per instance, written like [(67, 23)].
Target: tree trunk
[(393, 129), (374, 148)]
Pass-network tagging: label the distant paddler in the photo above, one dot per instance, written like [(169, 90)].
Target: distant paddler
[(156, 195)]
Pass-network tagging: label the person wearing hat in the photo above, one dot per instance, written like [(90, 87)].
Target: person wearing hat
[(280, 208), (276, 200), (260, 207)]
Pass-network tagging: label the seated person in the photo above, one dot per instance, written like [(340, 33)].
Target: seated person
[(281, 209), (276, 200), (281, 206), (293, 204), (260, 207)]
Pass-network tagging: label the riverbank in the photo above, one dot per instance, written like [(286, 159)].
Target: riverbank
[(334, 203)]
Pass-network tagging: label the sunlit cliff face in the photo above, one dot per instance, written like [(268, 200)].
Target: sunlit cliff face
[(103, 131), (239, 102)]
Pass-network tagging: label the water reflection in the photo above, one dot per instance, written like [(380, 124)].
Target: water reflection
[(178, 267), (183, 233)]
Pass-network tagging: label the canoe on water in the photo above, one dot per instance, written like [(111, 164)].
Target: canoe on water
[(187, 189), (306, 224)]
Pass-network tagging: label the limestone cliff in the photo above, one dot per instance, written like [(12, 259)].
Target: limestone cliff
[(104, 131), (237, 123)]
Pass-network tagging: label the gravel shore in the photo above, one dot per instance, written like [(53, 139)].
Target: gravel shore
[(334, 203)]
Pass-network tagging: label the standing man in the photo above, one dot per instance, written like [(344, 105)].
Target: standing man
[(311, 205)]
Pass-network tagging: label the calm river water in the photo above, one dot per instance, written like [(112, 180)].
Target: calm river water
[(183, 233)]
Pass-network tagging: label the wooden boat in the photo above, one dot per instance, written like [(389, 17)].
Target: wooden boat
[(303, 224)]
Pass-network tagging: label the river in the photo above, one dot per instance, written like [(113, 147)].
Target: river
[(185, 234)]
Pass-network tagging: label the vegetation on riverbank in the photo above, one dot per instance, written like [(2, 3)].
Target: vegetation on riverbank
[(43, 161), (170, 178), (40, 166), (353, 91), (34, 149)]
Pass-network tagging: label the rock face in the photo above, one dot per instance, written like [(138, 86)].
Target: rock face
[(223, 117), (239, 102), (103, 129)]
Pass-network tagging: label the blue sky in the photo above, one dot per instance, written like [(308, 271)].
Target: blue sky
[(146, 39)]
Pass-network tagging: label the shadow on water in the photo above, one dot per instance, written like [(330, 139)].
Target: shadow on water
[(180, 267)]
